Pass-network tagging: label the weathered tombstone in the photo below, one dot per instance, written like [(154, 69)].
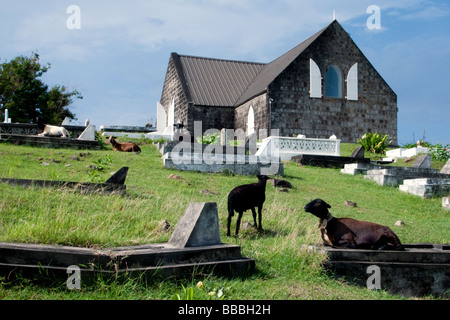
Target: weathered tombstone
[(358, 153), (423, 161), (88, 133), (446, 168), (119, 177), (199, 226)]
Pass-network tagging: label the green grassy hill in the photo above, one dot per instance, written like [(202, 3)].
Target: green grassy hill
[(284, 270)]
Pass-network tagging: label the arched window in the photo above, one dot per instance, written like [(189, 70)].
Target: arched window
[(333, 82)]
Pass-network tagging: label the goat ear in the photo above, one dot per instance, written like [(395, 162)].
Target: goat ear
[(328, 206)]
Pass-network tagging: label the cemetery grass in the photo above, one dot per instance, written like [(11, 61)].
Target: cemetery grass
[(284, 269)]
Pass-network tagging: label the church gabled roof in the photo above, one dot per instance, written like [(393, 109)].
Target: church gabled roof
[(216, 82), (228, 83)]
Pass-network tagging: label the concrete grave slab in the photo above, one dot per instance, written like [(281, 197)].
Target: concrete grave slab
[(328, 161), (114, 185), (195, 246), (419, 270)]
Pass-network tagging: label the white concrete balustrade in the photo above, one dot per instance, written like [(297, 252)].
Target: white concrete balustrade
[(287, 147)]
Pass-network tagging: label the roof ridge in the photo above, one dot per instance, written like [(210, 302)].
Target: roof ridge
[(306, 43), (221, 59)]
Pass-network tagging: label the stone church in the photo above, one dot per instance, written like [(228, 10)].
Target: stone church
[(324, 86)]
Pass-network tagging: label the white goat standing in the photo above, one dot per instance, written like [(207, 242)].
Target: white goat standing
[(54, 131)]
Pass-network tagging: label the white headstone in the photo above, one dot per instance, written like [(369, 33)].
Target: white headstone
[(161, 118)]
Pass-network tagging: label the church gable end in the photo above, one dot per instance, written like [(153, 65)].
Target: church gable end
[(347, 97), (175, 90)]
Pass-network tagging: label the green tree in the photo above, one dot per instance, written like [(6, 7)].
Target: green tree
[(27, 98)]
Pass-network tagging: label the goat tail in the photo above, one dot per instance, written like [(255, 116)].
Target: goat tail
[(230, 208)]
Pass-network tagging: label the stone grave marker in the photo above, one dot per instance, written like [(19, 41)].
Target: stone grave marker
[(423, 161), (88, 133), (119, 177), (199, 226), (358, 153), (446, 168)]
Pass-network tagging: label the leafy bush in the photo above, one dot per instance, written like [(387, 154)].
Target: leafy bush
[(420, 143), (213, 138), (439, 152), (375, 142)]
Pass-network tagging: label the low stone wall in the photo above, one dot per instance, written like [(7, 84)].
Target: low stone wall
[(50, 142)]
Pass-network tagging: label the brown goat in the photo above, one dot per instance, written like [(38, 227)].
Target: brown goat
[(351, 233), (124, 147)]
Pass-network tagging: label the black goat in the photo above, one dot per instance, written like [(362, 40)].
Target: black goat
[(351, 233), (246, 197)]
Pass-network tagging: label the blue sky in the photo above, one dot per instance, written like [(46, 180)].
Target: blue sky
[(118, 57)]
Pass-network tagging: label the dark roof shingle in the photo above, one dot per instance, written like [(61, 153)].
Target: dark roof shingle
[(215, 82)]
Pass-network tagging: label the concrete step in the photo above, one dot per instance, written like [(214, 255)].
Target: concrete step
[(395, 176)]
